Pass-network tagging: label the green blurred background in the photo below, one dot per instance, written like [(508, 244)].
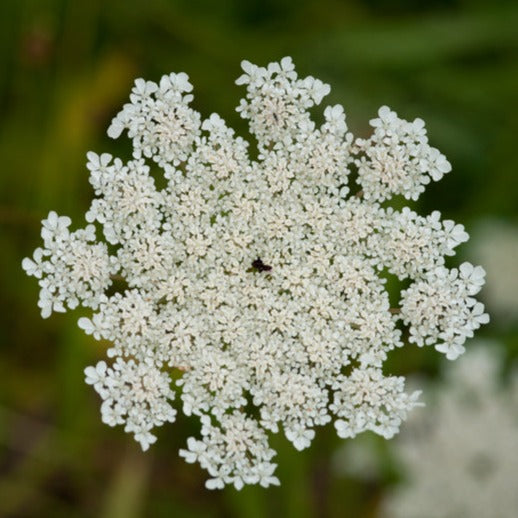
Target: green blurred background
[(66, 67)]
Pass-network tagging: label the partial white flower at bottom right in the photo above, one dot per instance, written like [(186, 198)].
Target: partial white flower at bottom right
[(460, 456)]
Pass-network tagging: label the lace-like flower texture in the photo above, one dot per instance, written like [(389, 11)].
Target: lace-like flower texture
[(261, 283)]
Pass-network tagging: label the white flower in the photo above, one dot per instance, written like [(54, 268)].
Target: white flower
[(232, 453), (145, 439), (440, 310), (459, 457), (455, 234), (54, 228), (95, 374), (300, 438), (195, 450), (136, 395), (386, 118), (261, 280), (397, 159), (264, 473)]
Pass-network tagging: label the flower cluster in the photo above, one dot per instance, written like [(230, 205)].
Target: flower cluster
[(260, 282), (397, 159), (440, 309), (72, 267), (136, 395), (460, 456)]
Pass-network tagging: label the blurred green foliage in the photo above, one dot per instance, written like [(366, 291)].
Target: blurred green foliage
[(66, 67)]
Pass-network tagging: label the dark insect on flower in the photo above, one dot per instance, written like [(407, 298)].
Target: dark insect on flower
[(259, 266)]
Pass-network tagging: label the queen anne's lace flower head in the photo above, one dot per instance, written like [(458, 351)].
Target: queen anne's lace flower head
[(262, 281)]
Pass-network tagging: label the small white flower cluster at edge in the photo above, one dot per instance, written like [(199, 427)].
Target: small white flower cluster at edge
[(259, 283)]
